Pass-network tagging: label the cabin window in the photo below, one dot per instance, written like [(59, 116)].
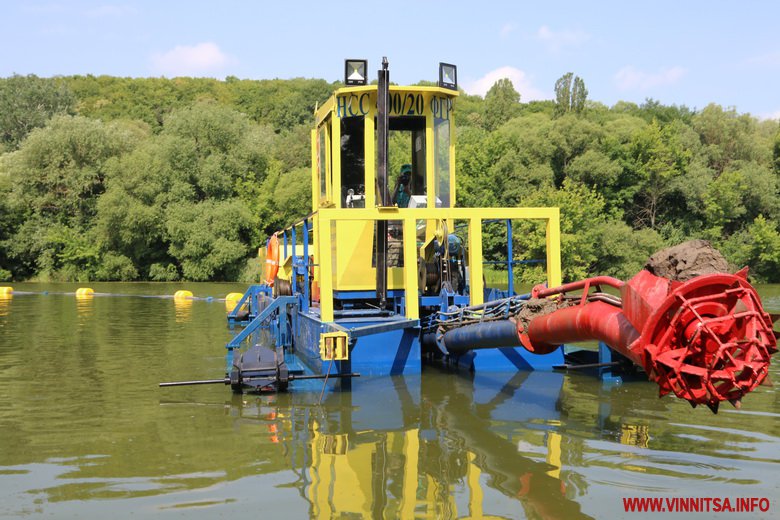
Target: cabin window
[(406, 145), (322, 161), (442, 160), (353, 166)]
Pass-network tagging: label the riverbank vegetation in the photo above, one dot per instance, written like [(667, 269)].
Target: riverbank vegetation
[(105, 178)]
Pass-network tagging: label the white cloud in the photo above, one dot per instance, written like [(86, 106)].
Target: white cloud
[(519, 79), (202, 59), (556, 40), (774, 115), (506, 30), (631, 78)]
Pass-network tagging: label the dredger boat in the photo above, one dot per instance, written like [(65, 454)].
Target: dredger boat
[(363, 286)]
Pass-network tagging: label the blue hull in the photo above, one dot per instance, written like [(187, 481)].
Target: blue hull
[(397, 352)]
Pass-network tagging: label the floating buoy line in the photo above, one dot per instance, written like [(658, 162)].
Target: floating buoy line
[(87, 292)]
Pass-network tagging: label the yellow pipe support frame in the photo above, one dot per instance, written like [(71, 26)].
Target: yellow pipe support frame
[(330, 256), (477, 292), (231, 300), (326, 268), (6, 291), (554, 276), (410, 272), (182, 295), (83, 292)]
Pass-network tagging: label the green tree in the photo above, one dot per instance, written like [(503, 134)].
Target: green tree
[(476, 154), (162, 206), (658, 160), (28, 102), (728, 136), (521, 160), (756, 246), (570, 94), (652, 109), (209, 240), (582, 221), (9, 221), (502, 103), (571, 136), (57, 177)]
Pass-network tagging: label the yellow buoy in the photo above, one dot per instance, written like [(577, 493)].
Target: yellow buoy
[(182, 295), (231, 300), (84, 292), (6, 291)]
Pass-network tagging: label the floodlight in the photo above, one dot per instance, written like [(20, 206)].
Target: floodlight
[(448, 76), (355, 72)]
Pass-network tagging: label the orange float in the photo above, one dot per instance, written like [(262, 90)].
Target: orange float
[(271, 260)]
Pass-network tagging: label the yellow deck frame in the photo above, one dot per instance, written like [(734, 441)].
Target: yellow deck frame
[(326, 218)]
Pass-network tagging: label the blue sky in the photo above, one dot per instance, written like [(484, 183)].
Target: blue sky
[(681, 52)]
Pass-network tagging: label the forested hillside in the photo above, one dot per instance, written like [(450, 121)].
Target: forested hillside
[(105, 178)]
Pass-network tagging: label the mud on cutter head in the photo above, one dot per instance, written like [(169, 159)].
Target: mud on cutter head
[(707, 339)]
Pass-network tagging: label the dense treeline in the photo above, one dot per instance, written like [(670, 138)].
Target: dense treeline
[(108, 178)]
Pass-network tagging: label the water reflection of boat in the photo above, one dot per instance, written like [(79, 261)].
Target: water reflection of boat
[(438, 447)]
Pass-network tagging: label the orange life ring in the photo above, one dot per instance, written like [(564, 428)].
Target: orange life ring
[(271, 260)]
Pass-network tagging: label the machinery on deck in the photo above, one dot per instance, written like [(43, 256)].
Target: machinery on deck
[(361, 285)]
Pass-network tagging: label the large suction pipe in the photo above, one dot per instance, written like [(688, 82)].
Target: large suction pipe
[(707, 339)]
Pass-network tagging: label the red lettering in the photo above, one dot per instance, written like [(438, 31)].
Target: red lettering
[(643, 505), (696, 505)]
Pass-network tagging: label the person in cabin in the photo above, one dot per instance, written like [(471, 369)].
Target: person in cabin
[(402, 195)]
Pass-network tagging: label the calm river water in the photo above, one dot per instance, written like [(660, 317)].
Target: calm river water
[(85, 432)]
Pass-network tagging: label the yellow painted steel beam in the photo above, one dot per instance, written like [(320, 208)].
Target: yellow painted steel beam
[(315, 181), (410, 270), (335, 163), (327, 170), (324, 110), (554, 276), (326, 268), (394, 213), (476, 291), (314, 226)]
